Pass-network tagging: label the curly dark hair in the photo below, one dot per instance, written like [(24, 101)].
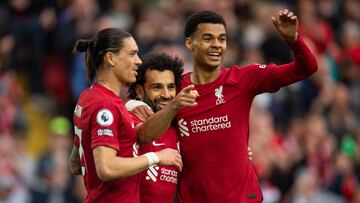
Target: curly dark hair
[(160, 62), (202, 17)]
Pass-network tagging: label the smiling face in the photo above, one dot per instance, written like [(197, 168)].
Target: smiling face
[(126, 61), (158, 90), (208, 45)]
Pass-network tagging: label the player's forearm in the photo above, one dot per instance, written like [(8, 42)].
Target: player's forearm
[(123, 167), (156, 125), (75, 162), (109, 166), (305, 61), (301, 68)]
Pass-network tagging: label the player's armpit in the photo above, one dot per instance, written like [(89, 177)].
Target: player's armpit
[(75, 162)]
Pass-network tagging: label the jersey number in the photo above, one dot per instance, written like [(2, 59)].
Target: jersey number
[(78, 133)]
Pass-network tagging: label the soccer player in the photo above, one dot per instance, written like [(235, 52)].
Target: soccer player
[(214, 135), (105, 144), (156, 83)]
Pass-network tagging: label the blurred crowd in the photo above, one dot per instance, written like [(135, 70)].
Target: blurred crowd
[(306, 137)]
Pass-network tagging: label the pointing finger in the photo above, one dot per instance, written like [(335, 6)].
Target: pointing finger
[(188, 88), (195, 92)]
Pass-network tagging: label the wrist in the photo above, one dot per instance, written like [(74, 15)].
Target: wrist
[(131, 104), (293, 39), (173, 106), (152, 158)]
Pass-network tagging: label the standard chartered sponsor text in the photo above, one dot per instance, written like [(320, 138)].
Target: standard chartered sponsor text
[(210, 124), (168, 175)]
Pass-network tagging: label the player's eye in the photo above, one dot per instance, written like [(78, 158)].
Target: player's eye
[(171, 87), (156, 87)]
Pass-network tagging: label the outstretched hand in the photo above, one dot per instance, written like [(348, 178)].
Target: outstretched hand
[(186, 97), (286, 23)]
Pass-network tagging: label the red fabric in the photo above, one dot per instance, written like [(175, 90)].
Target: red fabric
[(158, 184), (101, 119), (214, 134), (355, 55)]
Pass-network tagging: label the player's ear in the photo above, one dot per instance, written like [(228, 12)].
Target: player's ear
[(139, 91), (188, 43), (109, 58)]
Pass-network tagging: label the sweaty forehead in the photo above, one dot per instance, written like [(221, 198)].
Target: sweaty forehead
[(210, 28)]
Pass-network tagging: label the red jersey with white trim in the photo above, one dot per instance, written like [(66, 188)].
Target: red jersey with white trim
[(101, 119), (158, 183), (214, 134)]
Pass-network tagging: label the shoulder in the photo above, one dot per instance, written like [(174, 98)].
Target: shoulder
[(102, 108), (185, 80), (254, 66), (247, 69), (238, 75)]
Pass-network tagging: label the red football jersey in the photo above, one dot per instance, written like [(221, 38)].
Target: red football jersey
[(214, 134), (101, 119), (158, 183)]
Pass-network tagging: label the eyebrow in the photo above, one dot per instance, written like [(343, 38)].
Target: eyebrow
[(162, 84), (211, 35), (134, 51)]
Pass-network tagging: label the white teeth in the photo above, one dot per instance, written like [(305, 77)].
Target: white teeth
[(214, 54)]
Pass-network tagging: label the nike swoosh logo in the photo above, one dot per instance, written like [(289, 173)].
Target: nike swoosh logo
[(157, 144)]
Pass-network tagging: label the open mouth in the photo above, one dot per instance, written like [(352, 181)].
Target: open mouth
[(163, 103), (214, 56)]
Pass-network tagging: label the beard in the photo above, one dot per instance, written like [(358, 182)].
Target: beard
[(151, 103)]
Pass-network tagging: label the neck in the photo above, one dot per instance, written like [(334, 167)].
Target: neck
[(110, 83), (204, 76)]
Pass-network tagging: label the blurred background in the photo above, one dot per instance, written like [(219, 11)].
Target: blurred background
[(305, 137)]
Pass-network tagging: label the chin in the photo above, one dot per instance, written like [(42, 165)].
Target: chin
[(132, 80), (213, 65)]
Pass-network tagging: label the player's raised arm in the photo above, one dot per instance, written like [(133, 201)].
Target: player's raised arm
[(286, 23), (304, 64)]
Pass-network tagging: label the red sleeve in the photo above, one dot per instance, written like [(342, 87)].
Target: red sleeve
[(259, 78), (301, 68), (254, 78), (105, 124)]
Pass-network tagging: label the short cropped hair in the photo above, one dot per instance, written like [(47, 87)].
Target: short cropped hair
[(202, 17), (159, 62)]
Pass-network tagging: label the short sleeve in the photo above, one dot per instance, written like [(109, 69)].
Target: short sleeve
[(104, 126)]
